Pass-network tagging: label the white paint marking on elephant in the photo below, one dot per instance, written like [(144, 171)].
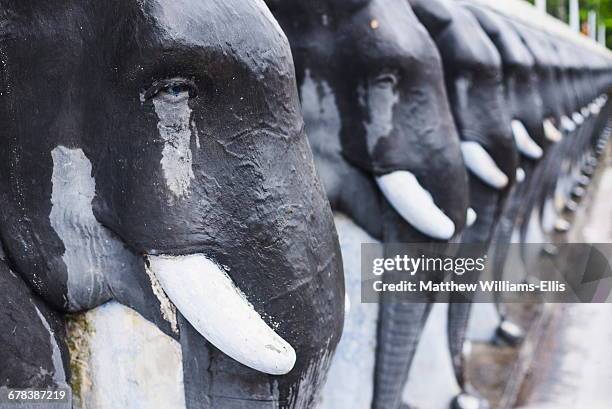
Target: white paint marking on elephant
[(322, 124), (309, 385), (350, 381), (380, 98), (525, 144), (320, 112), (167, 309), (481, 164), (415, 204), (131, 363), (208, 298), (59, 375), (90, 249), (174, 128)]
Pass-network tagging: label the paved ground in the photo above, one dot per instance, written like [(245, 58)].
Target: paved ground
[(573, 367)]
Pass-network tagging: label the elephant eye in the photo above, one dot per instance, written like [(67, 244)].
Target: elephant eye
[(175, 89), (386, 80)]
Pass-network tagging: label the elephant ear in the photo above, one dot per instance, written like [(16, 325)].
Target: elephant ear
[(433, 14)]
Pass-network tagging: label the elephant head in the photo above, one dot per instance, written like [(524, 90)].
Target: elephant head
[(566, 73), (520, 83), (473, 71), (381, 129), (154, 154), (545, 68), (376, 115), (474, 80)]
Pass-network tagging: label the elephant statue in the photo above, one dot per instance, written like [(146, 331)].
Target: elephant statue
[(181, 181), (386, 147), (154, 158), (474, 79), (526, 109)]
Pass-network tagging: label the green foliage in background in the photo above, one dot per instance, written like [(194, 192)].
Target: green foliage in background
[(559, 9)]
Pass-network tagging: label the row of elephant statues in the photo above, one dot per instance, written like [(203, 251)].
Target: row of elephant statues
[(180, 180)]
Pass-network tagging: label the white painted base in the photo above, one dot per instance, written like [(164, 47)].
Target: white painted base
[(350, 379), (126, 362), (483, 323)]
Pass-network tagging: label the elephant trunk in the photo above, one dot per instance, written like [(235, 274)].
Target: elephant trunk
[(476, 239), (399, 329)]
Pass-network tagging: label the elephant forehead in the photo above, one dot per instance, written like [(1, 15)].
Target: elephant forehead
[(537, 46), (245, 29), (507, 41), (388, 29), (465, 42)]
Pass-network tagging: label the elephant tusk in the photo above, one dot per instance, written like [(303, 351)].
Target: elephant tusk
[(471, 217), (524, 143), (481, 164), (568, 124), (585, 111), (520, 175), (551, 131), (208, 298), (415, 204), (577, 118)]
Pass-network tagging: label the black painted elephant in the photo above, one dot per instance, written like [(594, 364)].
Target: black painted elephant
[(385, 144), (474, 80), (154, 154), (526, 109)]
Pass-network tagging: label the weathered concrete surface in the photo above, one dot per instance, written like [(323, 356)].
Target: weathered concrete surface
[(573, 368)]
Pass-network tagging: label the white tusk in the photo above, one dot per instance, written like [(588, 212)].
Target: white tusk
[(577, 118), (524, 143), (520, 175), (568, 124), (415, 204), (481, 164), (347, 304), (208, 298), (585, 111), (551, 131), (471, 217)]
